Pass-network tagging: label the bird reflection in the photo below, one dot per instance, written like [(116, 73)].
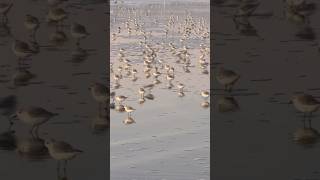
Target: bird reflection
[(32, 148), (306, 33), (22, 77), (58, 38), (100, 124), (227, 104), (79, 55), (305, 136)]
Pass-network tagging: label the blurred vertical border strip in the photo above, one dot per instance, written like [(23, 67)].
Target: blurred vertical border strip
[(211, 87), (108, 83)]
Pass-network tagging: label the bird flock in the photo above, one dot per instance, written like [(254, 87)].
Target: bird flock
[(160, 63)]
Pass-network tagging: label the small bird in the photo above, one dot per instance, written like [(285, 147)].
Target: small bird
[(227, 78), (61, 151), (79, 32), (32, 24), (306, 104), (180, 86), (35, 116), (22, 49), (141, 92), (129, 110), (120, 99), (99, 93), (56, 15), (205, 94)]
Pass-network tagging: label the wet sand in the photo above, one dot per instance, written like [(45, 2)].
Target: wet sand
[(170, 139)]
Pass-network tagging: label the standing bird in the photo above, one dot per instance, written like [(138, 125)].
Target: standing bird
[(34, 116), (61, 151), (99, 93), (57, 15), (227, 78), (22, 50), (306, 104), (129, 110), (32, 24), (205, 94), (79, 32), (141, 92)]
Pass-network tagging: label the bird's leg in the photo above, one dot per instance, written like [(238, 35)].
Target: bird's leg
[(31, 130), (37, 131), (58, 168), (99, 109), (78, 42), (310, 116), (303, 120), (65, 167)]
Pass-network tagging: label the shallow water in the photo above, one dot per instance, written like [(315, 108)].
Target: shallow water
[(61, 86), (170, 139), (274, 61)]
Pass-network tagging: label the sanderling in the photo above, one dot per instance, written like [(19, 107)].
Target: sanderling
[(61, 151), (22, 49), (32, 24), (129, 110), (79, 32), (227, 78), (306, 104), (35, 116)]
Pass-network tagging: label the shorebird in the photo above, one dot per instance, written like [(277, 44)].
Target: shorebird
[(22, 49), (306, 104), (61, 151), (180, 86), (99, 93), (227, 78), (205, 94), (120, 99), (57, 15), (79, 32), (129, 110), (34, 116), (32, 24), (141, 92)]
